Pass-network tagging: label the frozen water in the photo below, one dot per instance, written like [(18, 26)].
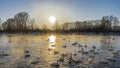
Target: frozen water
[(29, 51)]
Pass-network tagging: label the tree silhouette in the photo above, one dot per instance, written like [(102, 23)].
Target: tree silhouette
[(21, 19)]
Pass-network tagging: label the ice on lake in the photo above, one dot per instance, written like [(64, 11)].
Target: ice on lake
[(61, 51)]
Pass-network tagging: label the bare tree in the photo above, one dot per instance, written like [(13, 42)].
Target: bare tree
[(0, 24), (65, 26), (77, 25), (106, 23), (56, 26), (4, 26), (21, 19), (30, 24), (44, 27)]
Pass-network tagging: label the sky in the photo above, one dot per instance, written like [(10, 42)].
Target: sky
[(63, 10)]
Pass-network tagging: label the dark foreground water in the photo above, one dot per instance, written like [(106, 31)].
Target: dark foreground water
[(59, 51)]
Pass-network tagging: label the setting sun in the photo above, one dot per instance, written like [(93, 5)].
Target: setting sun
[(52, 19)]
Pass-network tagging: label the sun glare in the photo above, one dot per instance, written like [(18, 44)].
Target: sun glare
[(52, 38), (52, 19)]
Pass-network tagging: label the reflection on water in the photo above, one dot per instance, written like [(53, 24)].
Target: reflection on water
[(52, 39), (43, 50)]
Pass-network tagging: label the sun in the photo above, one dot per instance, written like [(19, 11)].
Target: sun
[(52, 19)]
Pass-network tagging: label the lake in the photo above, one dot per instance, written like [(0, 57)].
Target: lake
[(63, 51)]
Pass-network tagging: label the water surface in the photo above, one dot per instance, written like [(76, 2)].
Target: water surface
[(41, 49)]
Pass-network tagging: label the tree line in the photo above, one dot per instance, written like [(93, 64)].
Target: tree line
[(107, 24), (22, 23)]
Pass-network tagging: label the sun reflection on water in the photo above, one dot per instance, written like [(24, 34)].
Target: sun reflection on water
[(52, 39), (52, 42)]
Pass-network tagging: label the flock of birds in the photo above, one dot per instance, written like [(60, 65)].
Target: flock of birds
[(79, 59), (88, 59)]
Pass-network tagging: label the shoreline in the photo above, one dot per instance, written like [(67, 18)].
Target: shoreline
[(74, 33)]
